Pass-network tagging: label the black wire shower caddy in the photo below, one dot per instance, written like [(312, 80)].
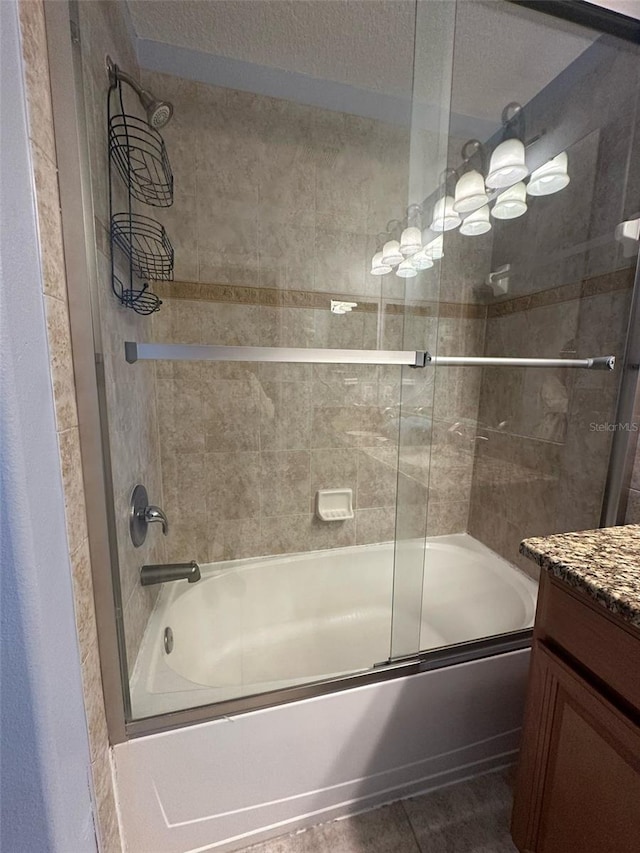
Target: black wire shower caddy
[(138, 153)]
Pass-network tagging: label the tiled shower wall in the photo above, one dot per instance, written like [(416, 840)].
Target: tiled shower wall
[(276, 209), (543, 445), (541, 461)]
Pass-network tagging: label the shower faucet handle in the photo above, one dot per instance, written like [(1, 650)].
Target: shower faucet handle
[(142, 514), (154, 513)]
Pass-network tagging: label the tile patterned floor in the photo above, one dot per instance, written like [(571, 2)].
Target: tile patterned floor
[(471, 817)]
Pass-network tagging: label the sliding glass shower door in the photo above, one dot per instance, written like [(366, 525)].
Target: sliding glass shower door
[(433, 64), (539, 171), (260, 404)]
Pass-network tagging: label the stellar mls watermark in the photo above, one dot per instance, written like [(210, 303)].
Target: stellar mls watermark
[(620, 426)]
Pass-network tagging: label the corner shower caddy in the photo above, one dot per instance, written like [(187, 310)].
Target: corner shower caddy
[(139, 155)]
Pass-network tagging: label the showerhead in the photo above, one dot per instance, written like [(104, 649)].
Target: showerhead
[(158, 112)]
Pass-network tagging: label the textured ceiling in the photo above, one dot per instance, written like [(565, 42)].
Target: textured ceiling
[(366, 43), (502, 53), (507, 53)]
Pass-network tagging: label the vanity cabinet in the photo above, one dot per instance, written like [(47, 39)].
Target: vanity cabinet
[(578, 780)]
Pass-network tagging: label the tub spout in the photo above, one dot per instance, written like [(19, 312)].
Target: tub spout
[(170, 572)]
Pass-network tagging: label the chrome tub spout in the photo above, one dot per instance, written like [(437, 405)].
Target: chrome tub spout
[(170, 572)]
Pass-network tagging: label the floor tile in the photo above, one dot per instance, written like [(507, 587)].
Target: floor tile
[(470, 817), (384, 830)]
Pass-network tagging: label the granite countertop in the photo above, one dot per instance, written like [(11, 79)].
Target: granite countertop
[(604, 564)]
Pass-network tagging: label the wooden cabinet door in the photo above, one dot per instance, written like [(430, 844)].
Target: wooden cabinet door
[(578, 784)]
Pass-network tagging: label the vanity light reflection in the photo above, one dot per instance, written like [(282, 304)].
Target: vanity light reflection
[(475, 200)]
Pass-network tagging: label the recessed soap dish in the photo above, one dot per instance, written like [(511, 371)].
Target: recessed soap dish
[(334, 504)]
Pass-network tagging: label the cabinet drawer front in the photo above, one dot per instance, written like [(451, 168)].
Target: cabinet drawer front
[(593, 637)]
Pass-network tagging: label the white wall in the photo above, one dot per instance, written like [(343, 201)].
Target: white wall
[(45, 799)]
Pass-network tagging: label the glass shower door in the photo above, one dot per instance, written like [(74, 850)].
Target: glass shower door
[(279, 207), (418, 427), (542, 166)]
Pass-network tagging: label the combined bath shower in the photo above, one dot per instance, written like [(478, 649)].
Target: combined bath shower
[(158, 112)]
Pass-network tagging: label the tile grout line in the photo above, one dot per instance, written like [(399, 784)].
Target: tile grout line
[(413, 832)]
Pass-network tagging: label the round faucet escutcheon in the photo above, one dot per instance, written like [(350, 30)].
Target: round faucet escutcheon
[(142, 514)]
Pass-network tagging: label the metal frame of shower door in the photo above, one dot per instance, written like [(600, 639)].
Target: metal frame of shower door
[(587, 15), (79, 239), (426, 661), (624, 440), (81, 272)]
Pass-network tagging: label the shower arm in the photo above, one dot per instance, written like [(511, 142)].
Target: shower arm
[(410, 358), (117, 74), (158, 112)]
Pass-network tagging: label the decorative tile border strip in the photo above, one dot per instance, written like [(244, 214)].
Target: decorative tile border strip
[(275, 298), (595, 286), (458, 310)]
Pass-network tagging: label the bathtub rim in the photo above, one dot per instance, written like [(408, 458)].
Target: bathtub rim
[(398, 668), (151, 662)]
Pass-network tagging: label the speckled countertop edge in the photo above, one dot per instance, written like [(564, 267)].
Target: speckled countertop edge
[(604, 564)]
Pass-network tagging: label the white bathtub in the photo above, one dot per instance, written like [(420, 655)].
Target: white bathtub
[(255, 625)]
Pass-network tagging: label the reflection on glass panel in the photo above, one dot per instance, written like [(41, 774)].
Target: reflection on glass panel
[(542, 134)]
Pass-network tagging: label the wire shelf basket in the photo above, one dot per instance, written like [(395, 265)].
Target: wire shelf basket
[(141, 301), (145, 243), (139, 154)]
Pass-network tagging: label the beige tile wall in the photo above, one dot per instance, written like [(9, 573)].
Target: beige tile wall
[(540, 465), (62, 375), (246, 446), (274, 197)]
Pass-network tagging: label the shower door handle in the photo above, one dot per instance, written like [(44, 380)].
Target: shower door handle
[(299, 355)]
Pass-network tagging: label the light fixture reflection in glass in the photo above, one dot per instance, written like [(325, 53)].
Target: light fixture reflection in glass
[(476, 223), (410, 241), (391, 254), (511, 203), (445, 217), (422, 260), (470, 193), (549, 178), (436, 248), (377, 267), (407, 269), (507, 165)]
